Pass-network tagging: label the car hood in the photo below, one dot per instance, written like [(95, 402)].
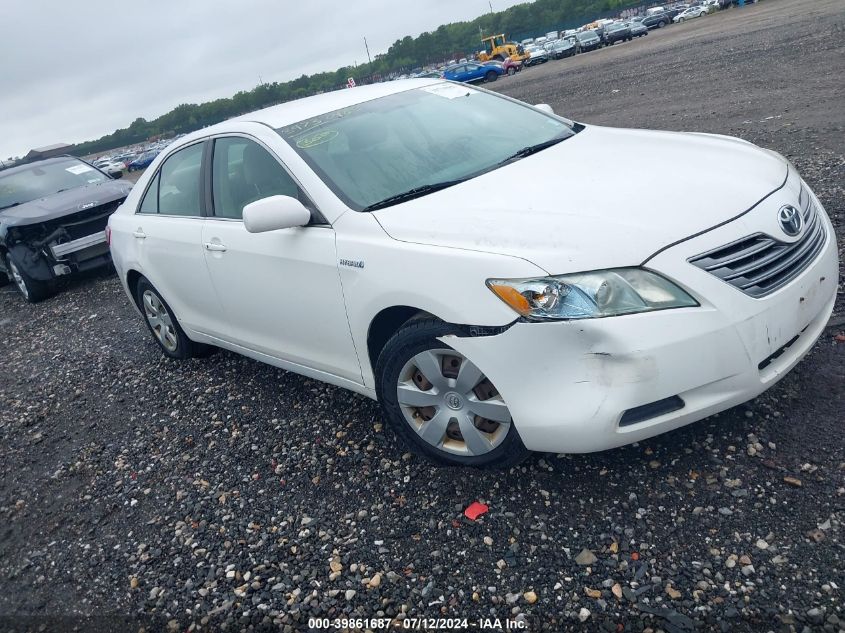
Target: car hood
[(65, 203), (602, 198)]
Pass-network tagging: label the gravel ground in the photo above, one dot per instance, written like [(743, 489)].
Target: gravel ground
[(224, 494)]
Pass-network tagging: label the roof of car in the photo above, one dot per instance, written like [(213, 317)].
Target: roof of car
[(293, 111)]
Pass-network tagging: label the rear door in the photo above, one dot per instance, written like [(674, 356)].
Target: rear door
[(280, 290), (167, 231)]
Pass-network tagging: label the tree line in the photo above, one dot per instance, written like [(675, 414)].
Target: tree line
[(446, 42)]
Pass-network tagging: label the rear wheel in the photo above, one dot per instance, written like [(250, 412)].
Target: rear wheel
[(511, 71), (31, 289), (164, 327), (441, 404), (491, 75), (661, 24)]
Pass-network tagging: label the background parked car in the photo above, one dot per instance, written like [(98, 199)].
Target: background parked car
[(143, 161), (538, 55), (111, 166), (510, 66), (617, 32), (559, 49), (672, 11), (53, 215), (692, 12), (587, 41), (637, 29), (656, 21), (472, 71)]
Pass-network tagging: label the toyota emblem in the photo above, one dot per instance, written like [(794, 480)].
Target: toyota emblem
[(790, 220)]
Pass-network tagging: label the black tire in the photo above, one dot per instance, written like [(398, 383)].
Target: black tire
[(32, 290), (491, 75), (185, 347), (415, 337), (661, 24), (511, 71)]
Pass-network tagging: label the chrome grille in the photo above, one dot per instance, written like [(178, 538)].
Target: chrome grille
[(759, 264)]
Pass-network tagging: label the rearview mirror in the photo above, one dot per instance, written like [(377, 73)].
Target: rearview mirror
[(274, 213), (545, 107)]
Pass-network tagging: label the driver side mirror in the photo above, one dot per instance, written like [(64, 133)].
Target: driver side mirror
[(116, 173), (275, 213)]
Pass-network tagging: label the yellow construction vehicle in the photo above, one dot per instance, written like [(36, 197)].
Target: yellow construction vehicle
[(497, 48)]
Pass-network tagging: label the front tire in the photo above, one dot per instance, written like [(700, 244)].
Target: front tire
[(441, 404), (31, 289), (491, 75), (511, 71), (164, 327)]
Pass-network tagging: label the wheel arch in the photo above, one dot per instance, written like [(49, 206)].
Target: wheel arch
[(132, 279), (385, 324)]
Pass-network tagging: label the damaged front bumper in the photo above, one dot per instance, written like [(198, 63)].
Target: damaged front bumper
[(73, 244)]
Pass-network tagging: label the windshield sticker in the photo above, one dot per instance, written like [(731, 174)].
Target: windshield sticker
[(447, 91), (301, 127), (79, 169), (319, 138)]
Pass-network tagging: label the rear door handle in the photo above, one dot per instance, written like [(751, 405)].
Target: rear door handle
[(215, 246), (139, 233)]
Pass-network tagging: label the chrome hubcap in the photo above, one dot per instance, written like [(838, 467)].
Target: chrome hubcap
[(17, 278), (451, 404), (160, 322)]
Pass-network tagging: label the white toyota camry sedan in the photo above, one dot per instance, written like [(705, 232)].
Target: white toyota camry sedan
[(500, 278)]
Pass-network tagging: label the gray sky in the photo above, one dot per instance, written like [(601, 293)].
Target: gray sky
[(73, 71)]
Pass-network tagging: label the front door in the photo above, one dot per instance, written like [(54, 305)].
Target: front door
[(280, 290)]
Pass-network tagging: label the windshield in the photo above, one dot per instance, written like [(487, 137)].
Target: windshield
[(44, 179), (445, 132), (587, 35)]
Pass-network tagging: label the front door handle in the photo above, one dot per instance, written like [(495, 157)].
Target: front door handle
[(215, 246), (139, 233)]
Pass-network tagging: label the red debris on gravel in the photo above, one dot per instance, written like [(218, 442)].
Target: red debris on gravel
[(475, 510)]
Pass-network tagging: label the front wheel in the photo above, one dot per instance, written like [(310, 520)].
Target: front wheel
[(31, 289), (441, 404), (511, 71), (660, 25), (491, 75)]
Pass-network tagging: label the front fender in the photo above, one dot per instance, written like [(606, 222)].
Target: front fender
[(449, 283)]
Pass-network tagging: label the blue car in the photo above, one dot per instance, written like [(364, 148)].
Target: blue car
[(471, 71), (143, 161)]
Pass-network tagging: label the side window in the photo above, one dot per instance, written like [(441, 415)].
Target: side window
[(179, 182), (150, 202), (243, 172)]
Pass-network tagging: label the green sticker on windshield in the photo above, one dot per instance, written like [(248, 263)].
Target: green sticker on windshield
[(316, 139)]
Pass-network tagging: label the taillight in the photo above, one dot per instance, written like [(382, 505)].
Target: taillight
[(108, 235)]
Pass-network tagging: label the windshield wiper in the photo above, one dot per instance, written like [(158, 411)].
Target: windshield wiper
[(533, 149), (9, 206), (416, 192)]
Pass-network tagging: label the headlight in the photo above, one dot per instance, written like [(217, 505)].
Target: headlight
[(590, 295)]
